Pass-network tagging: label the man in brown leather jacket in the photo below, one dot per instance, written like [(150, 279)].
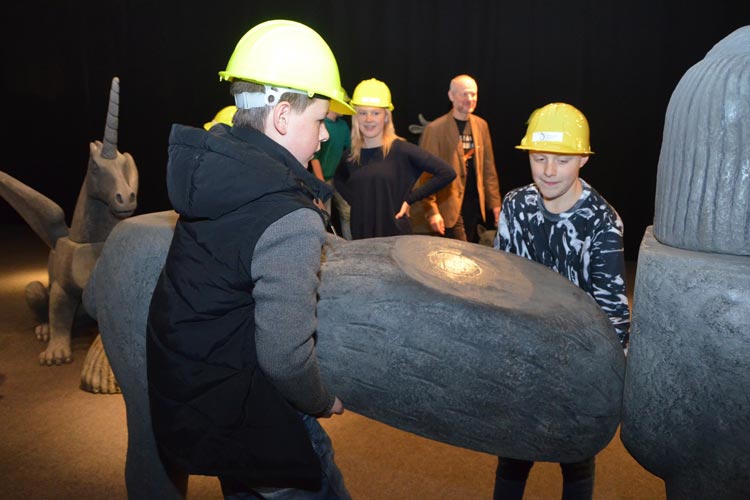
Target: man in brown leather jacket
[(463, 140)]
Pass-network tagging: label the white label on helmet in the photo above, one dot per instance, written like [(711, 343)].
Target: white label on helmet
[(370, 100), (547, 137)]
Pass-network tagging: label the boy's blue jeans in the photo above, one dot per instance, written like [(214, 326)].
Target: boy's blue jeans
[(332, 483)]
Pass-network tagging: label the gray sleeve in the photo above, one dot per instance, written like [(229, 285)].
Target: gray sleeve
[(285, 269)]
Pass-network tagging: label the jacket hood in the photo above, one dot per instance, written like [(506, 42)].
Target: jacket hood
[(210, 174)]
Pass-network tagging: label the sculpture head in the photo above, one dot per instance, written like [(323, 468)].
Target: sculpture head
[(113, 181), (112, 177)]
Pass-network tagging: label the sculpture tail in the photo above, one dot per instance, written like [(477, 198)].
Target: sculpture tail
[(44, 216)]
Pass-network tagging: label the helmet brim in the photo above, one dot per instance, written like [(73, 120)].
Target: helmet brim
[(341, 108), (548, 148)]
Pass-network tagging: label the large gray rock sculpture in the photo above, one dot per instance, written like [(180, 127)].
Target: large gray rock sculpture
[(469, 346), (107, 196), (686, 410), (446, 339)]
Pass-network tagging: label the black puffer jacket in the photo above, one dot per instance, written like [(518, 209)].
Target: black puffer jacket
[(214, 411)]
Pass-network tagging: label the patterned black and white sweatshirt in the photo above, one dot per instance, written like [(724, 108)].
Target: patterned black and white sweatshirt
[(584, 244)]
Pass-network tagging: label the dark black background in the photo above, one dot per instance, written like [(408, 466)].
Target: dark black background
[(617, 61)]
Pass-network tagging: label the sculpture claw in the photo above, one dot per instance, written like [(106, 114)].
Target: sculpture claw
[(97, 376), (57, 353), (42, 332)]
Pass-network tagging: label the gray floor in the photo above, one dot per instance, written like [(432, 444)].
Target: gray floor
[(58, 442)]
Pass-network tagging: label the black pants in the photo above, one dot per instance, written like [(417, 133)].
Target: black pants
[(465, 228), (511, 475)]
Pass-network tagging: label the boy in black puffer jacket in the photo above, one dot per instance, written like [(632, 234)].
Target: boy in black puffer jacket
[(234, 382)]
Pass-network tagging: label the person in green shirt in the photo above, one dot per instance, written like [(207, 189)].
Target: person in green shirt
[(327, 159)]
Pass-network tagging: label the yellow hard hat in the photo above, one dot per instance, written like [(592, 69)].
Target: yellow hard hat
[(373, 93), (557, 128), (290, 55), (223, 116)]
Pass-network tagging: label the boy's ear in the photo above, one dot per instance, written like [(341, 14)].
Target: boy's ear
[(280, 116), (584, 159)]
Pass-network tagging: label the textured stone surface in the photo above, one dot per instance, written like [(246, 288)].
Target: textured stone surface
[(686, 406), (452, 341), (469, 346), (118, 296), (703, 182)]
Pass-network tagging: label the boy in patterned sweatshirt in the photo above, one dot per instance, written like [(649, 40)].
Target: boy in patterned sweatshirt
[(562, 222)]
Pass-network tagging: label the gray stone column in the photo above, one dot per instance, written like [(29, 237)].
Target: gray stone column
[(686, 405)]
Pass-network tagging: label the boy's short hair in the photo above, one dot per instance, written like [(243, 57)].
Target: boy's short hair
[(256, 117)]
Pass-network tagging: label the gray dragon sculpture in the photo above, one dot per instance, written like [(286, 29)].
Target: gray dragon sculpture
[(107, 196)]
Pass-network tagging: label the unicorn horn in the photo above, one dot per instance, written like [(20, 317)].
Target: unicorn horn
[(109, 147)]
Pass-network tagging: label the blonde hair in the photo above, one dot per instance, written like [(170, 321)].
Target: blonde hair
[(389, 135)]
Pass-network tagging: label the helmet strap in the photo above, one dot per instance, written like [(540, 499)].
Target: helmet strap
[(249, 100)]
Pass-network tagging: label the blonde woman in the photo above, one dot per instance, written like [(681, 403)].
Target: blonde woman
[(377, 177)]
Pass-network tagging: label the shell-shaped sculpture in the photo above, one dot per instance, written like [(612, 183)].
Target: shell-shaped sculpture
[(703, 182)]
